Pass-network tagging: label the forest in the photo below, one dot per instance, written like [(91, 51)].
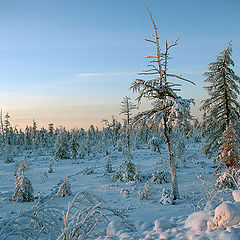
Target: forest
[(158, 174)]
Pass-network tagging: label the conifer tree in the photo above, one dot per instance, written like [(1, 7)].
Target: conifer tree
[(222, 105), (169, 110), (229, 150), (74, 145), (126, 109), (61, 148)]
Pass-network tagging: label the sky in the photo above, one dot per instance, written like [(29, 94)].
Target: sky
[(72, 62)]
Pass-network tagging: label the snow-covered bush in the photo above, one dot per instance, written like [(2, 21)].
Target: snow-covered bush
[(160, 177), (166, 198), (64, 189), (145, 194), (87, 215), (88, 171), (23, 191)]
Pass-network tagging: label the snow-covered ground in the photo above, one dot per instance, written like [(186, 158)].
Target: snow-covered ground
[(151, 219)]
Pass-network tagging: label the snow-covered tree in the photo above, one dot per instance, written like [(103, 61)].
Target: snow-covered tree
[(166, 198), (74, 145), (169, 110), (108, 166), (146, 193), (61, 147), (126, 109), (65, 189), (23, 187), (222, 105)]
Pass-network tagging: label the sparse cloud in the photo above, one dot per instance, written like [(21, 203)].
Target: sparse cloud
[(104, 74)]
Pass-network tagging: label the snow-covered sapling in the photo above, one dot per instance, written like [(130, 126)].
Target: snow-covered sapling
[(129, 171), (118, 175), (23, 191), (160, 177), (108, 166), (64, 189), (166, 198), (137, 176), (88, 171), (145, 194)]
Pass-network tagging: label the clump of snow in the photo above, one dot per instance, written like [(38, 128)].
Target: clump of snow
[(198, 221), (162, 224), (226, 215), (236, 195), (114, 226)]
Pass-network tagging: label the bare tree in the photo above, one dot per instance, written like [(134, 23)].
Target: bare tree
[(169, 110)]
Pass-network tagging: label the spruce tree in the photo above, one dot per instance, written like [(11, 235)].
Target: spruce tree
[(229, 150), (222, 106), (61, 147), (169, 110), (126, 109)]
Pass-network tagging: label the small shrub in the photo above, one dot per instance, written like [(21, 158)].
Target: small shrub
[(64, 189), (160, 177), (145, 194)]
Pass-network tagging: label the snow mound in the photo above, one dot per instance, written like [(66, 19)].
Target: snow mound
[(114, 226), (162, 224), (236, 195), (198, 221), (226, 215)]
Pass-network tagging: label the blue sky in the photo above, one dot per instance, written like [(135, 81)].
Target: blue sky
[(72, 62)]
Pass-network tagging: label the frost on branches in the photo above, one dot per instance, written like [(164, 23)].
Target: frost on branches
[(169, 110), (229, 148), (222, 106)]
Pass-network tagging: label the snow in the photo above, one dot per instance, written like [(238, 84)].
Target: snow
[(149, 219), (197, 221), (226, 215), (236, 195)]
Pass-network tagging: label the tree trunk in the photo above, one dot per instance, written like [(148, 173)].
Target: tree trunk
[(172, 164)]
